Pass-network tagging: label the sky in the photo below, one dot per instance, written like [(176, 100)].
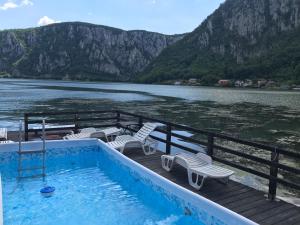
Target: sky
[(163, 16)]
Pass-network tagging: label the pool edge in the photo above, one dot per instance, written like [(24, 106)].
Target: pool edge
[(1, 205), (176, 188)]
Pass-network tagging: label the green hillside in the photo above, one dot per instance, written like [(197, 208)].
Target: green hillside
[(236, 42)]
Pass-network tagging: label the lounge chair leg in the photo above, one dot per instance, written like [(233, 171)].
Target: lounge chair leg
[(107, 139), (122, 149), (195, 184), (148, 150), (167, 162)]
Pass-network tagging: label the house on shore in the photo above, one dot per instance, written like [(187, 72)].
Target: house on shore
[(193, 81), (248, 83), (224, 83), (261, 83), (239, 83)]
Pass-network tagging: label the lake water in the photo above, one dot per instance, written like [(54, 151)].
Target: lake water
[(271, 117), (266, 116)]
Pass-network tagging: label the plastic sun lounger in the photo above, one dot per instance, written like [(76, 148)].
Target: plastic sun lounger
[(140, 139), (94, 133), (198, 166)]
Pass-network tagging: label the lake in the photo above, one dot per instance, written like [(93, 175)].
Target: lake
[(266, 116)]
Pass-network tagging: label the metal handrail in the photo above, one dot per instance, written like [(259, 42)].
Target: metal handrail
[(273, 163)]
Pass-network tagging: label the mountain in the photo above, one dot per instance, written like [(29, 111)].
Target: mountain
[(241, 39), (78, 50)]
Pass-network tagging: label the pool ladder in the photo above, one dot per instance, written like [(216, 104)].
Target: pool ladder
[(22, 153)]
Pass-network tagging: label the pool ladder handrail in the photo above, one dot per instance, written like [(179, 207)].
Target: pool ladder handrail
[(25, 152)]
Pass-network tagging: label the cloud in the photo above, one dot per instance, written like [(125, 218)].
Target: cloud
[(8, 5), (45, 20), (11, 4), (26, 3)]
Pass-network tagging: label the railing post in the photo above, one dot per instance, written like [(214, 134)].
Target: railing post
[(26, 126), (20, 135), (44, 133), (76, 123), (118, 119), (168, 140), (210, 144), (273, 175), (140, 122)]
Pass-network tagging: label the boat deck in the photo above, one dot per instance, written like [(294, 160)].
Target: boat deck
[(237, 197)]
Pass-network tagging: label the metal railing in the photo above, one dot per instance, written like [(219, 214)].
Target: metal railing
[(211, 141)]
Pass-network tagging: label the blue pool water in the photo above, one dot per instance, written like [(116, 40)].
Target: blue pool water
[(91, 188)]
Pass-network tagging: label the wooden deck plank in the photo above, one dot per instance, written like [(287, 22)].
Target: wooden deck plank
[(230, 195), (274, 214), (281, 219), (244, 200), (250, 205), (261, 208), (240, 197)]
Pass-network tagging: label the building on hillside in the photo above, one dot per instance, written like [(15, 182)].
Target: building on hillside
[(296, 88), (261, 83), (285, 87), (239, 83), (193, 81), (248, 83), (271, 83), (224, 83)]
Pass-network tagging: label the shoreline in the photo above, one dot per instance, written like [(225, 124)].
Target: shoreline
[(160, 84)]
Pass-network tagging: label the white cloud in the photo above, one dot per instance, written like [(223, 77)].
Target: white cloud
[(11, 4), (26, 2), (8, 5), (45, 20)]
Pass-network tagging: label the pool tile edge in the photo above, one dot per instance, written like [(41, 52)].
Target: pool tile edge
[(181, 192), (1, 205)]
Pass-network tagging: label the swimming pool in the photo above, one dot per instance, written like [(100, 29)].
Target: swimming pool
[(98, 185)]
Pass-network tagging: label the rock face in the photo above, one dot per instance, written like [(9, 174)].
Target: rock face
[(79, 51), (236, 41)]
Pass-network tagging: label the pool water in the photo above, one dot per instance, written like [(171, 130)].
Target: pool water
[(91, 188)]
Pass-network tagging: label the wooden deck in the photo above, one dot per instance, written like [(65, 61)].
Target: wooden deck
[(237, 197), (234, 196)]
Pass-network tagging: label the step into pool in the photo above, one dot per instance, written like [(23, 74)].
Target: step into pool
[(97, 185)]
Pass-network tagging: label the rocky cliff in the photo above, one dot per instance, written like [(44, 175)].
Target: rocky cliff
[(242, 39), (79, 51)]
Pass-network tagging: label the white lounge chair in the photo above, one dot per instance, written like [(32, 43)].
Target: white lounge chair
[(94, 133), (140, 139), (198, 166), (3, 133)]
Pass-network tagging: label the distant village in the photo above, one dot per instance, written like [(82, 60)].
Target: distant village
[(248, 83)]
